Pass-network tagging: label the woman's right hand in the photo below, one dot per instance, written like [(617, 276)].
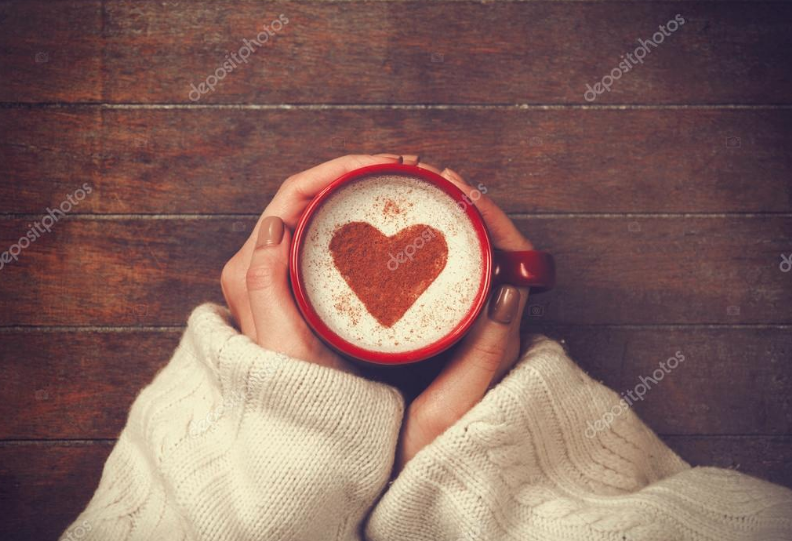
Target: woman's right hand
[(483, 356)]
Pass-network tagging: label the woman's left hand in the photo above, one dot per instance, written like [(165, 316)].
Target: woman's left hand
[(255, 280)]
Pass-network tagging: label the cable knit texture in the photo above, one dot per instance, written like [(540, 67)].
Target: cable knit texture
[(520, 466), (232, 442)]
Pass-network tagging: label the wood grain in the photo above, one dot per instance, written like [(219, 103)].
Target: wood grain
[(492, 89), (50, 51), (767, 458), (46, 154), (44, 486), (76, 385), (732, 381), (637, 270), (389, 52), (81, 384), (537, 161), (61, 477)]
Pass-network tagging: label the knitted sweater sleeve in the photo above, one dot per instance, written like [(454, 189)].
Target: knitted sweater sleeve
[(233, 442), (531, 461)]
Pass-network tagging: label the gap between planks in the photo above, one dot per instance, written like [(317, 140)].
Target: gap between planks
[(386, 107), (490, 2)]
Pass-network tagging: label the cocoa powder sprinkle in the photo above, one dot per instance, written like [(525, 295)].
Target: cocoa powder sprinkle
[(391, 208), (378, 270)]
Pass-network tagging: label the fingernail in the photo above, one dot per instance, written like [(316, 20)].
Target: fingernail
[(431, 168), (391, 156), (454, 175), (271, 232), (504, 304), (410, 159)]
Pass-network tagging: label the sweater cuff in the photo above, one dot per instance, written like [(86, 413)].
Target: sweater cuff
[(525, 464), (244, 373), (231, 441), (349, 418), (522, 452)]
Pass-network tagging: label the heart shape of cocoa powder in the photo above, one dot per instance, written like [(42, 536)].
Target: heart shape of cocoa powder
[(388, 274)]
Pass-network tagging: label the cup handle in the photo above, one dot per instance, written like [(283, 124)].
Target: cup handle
[(528, 268)]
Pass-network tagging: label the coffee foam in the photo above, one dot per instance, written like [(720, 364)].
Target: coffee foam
[(391, 203)]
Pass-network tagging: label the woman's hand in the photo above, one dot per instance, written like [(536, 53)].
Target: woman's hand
[(255, 284), (255, 280), (488, 351)]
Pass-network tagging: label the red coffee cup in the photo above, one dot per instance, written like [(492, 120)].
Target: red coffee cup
[(532, 269)]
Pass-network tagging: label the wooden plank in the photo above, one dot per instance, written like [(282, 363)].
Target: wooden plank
[(50, 51), (46, 154), (61, 477), (767, 458), (732, 380), (388, 52), (634, 270), (232, 161), (665, 270), (76, 385), (500, 52), (81, 384), (44, 486), (107, 272)]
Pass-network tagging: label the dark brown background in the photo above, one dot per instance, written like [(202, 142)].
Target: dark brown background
[(667, 201)]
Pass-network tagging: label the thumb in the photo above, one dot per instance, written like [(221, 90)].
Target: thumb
[(483, 355), (275, 316)]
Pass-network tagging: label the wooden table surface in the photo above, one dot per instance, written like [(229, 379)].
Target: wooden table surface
[(666, 200)]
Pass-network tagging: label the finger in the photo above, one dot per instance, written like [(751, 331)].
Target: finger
[(396, 157), (278, 323), (504, 233), (412, 160), (491, 343), (275, 316), (513, 348), (289, 203), (429, 167), (267, 280), (476, 362), (298, 190)]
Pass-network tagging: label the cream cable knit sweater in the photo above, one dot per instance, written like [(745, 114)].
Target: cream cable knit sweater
[(232, 442)]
